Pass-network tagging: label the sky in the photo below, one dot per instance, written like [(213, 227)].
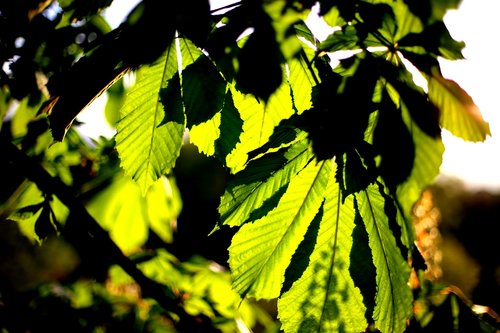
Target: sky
[(476, 22), (478, 25)]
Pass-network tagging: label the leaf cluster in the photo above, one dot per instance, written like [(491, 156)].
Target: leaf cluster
[(328, 145)]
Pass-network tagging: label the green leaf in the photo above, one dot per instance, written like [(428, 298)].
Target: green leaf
[(119, 210), (26, 212), (28, 208), (301, 82), (205, 134), (393, 301), (341, 40), (406, 21), (394, 143), (149, 134), (459, 113), (428, 159), (116, 98), (220, 134), (325, 298), (259, 121), (250, 189), (127, 215), (231, 126), (435, 39), (189, 52), (203, 91), (163, 206), (261, 251)]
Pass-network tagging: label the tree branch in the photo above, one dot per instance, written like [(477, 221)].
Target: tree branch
[(33, 171)]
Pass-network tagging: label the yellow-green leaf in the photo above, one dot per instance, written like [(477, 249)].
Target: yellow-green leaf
[(127, 215), (259, 120), (325, 298), (261, 251), (393, 300), (150, 133), (250, 189), (459, 113)]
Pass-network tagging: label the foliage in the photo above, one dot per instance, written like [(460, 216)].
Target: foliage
[(324, 160)]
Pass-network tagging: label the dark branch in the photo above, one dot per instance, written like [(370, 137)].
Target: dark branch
[(33, 171)]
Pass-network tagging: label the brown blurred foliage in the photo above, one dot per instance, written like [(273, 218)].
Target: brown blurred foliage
[(468, 247)]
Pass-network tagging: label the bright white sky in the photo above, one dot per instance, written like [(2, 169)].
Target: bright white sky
[(476, 23)]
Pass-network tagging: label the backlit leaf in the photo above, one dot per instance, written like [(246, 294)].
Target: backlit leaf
[(250, 189), (205, 134), (261, 251), (393, 301), (126, 214), (259, 121), (301, 82), (324, 298), (230, 128), (459, 113), (150, 133), (163, 205), (119, 209)]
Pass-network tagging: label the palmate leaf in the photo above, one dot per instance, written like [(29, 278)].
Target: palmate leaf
[(150, 135), (393, 300), (459, 114), (261, 251), (325, 298), (250, 189)]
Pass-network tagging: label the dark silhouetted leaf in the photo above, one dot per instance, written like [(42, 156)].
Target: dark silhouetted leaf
[(301, 257), (260, 57), (284, 134), (193, 19), (393, 142), (44, 225), (338, 119), (423, 62), (374, 15), (231, 126), (204, 91), (435, 39), (362, 269), (422, 110)]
